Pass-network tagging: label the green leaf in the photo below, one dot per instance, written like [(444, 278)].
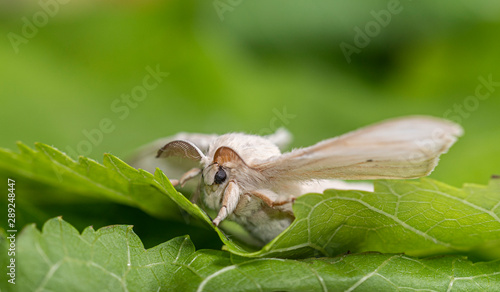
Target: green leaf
[(114, 259), (66, 180), (418, 218)]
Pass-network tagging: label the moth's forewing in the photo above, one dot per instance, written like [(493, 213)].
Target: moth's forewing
[(400, 148)]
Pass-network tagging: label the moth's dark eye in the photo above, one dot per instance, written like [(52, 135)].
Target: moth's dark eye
[(220, 176)]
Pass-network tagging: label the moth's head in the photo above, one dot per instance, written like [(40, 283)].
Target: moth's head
[(223, 167), (216, 171), (215, 178)]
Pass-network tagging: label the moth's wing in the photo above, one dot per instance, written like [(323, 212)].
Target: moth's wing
[(406, 147), (281, 138), (319, 186), (173, 167)]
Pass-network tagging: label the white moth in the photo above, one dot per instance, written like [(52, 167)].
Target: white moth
[(245, 178)]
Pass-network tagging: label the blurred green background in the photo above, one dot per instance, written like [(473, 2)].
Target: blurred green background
[(249, 65)]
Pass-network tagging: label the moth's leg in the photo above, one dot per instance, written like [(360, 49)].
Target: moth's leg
[(174, 182), (283, 202), (185, 177), (229, 201), (270, 198), (189, 175), (196, 194)]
